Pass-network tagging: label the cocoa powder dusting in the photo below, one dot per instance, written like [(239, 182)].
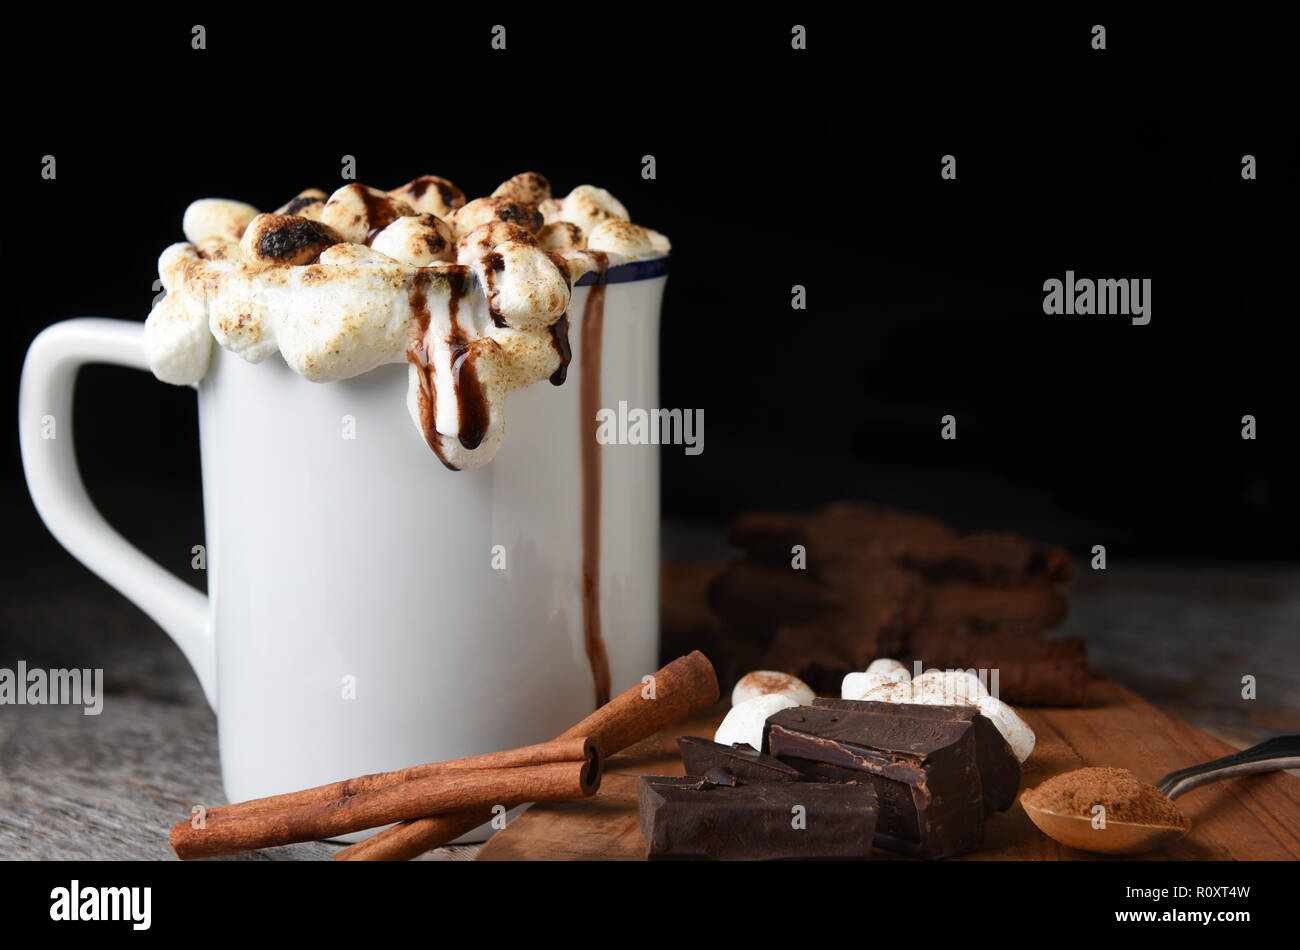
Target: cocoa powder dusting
[(1124, 796)]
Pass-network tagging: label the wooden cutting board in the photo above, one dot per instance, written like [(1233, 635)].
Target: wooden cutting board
[(1252, 818)]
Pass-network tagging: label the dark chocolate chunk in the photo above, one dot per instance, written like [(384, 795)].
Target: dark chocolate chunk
[(998, 766), (684, 818), (699, 756), (720, 776), (924, 770)]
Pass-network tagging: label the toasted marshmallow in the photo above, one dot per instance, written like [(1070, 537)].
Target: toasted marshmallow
[(659, 241), (628, 240), (770, 683), (484, 239), (216, 217), (587, 206), (356, 212), (1014, 729), (219, 249), (551, 210), (285, 239), (430, 194), (419, 241), (524, 286), (561, 236), (308, 203), (526, 188), (480, 211), (745, 722), (177, 343), (478, 355)]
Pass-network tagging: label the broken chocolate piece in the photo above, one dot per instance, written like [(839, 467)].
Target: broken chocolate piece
[(998, 766), (925, 771), (700, 757), (682, 818), (720, 776)]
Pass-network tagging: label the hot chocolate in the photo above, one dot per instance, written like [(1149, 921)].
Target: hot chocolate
[(472, 295)]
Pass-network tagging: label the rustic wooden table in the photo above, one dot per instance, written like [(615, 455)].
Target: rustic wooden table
[(109, 786)]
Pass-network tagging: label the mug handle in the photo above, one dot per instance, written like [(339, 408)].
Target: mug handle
[(54, 480)]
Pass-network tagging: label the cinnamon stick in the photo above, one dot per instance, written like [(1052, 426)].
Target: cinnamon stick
[(685, 686), (452, 790), (569, 749)]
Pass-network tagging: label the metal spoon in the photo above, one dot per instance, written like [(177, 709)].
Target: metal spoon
[(1126, 837)]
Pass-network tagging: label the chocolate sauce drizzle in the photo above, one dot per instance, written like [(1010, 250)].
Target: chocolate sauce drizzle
[(380, 212), (472, 404), (593, 326), (493, 264), (471, 399), (560, 342)]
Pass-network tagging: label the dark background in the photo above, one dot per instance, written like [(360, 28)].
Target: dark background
[(775, 167)]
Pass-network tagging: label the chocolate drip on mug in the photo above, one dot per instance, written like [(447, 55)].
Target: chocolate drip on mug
[(417, 354), (560, 341), (593, 325), (471, 400)]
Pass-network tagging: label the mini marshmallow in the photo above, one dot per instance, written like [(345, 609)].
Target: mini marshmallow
[(561, 236), (962, 685), (887, 693), (858, 685), (484, 239), (216, 217), (744, 723), (308, 203), (551, 210), (771, 683), (622, 237), (355, 210), (526, 187), (1014, 729), (419, 240), (892, 667), (480, 211), (342, 255), (285, 239), (177, 343), (587, 206), (659, 241), (430, 194), (525, 288)]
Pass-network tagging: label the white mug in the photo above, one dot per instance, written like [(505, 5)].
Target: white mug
[(368, 609)]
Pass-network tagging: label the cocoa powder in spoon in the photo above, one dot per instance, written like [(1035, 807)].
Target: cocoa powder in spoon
[(1124, 796)]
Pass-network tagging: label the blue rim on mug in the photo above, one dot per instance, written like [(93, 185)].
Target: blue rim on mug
[(626, 273)]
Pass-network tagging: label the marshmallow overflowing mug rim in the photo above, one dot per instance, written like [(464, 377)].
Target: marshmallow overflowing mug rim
[(473, 296)]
